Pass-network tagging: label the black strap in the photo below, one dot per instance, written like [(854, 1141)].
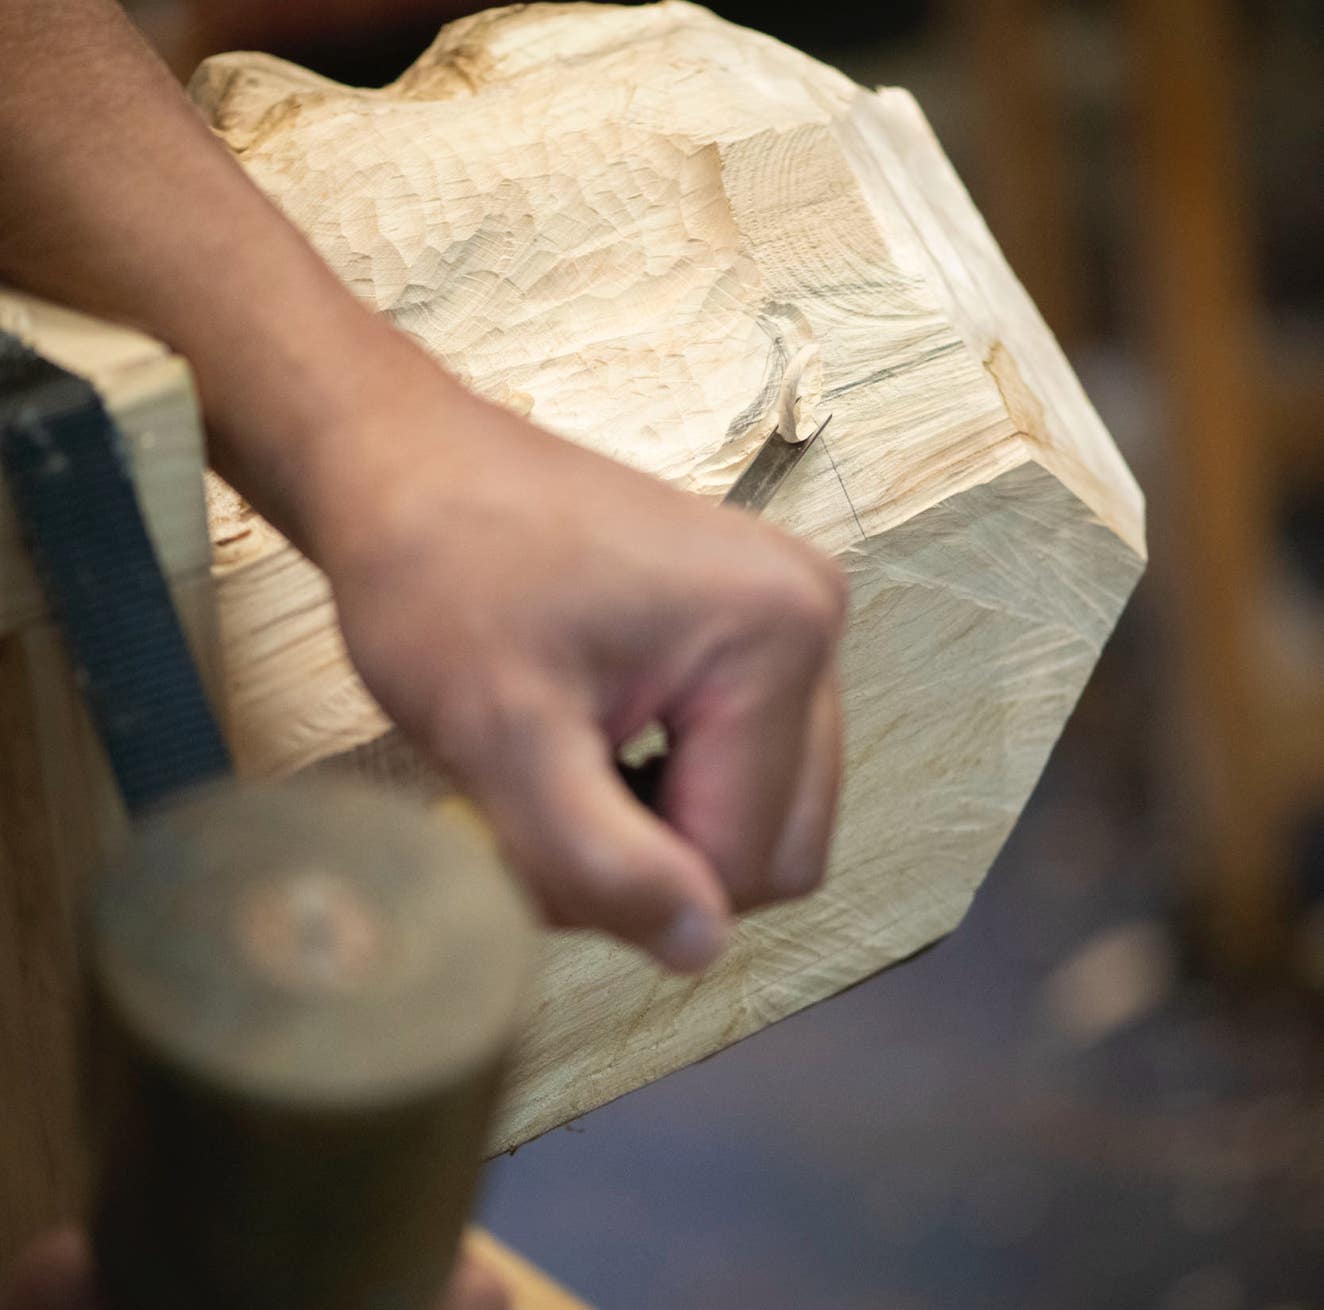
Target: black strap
[(65, 466)]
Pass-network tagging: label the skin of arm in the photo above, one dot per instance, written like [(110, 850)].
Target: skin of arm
[(520, 606)]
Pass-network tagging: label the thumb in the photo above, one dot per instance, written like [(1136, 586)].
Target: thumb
[(595, 856), (53, 1274)]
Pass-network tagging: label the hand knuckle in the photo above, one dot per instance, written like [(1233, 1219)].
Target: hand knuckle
[(592, 870), (809, 878), (492, 716), (485, 1290), (518, 711), (838, 587), (813, 601)]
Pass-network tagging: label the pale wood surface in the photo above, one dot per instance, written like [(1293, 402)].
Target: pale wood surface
[(625, 222)]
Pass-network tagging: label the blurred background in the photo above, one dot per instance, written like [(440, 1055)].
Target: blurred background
[(1106, 1090)]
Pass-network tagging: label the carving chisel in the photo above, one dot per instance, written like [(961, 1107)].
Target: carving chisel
[(763, 476)]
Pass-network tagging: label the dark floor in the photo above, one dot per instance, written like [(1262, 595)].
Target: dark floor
[(1039, 1114)]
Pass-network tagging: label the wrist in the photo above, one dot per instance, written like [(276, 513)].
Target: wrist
[(305, 431), (365, 445)]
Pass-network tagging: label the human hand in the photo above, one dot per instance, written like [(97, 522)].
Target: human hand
[(57, 1273), (522, 607)]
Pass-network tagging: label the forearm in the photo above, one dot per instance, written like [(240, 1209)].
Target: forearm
[(115, 198)]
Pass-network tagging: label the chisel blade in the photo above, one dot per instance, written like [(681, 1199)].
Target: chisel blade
[(762, 477)]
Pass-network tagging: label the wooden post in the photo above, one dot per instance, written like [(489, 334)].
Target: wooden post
[(59, 812), (632, 255), (1198, 294), (1025, 165)]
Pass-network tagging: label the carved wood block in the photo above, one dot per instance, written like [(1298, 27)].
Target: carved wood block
[(626, 222)]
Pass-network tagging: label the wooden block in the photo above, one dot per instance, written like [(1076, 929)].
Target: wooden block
[(625, 222)]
